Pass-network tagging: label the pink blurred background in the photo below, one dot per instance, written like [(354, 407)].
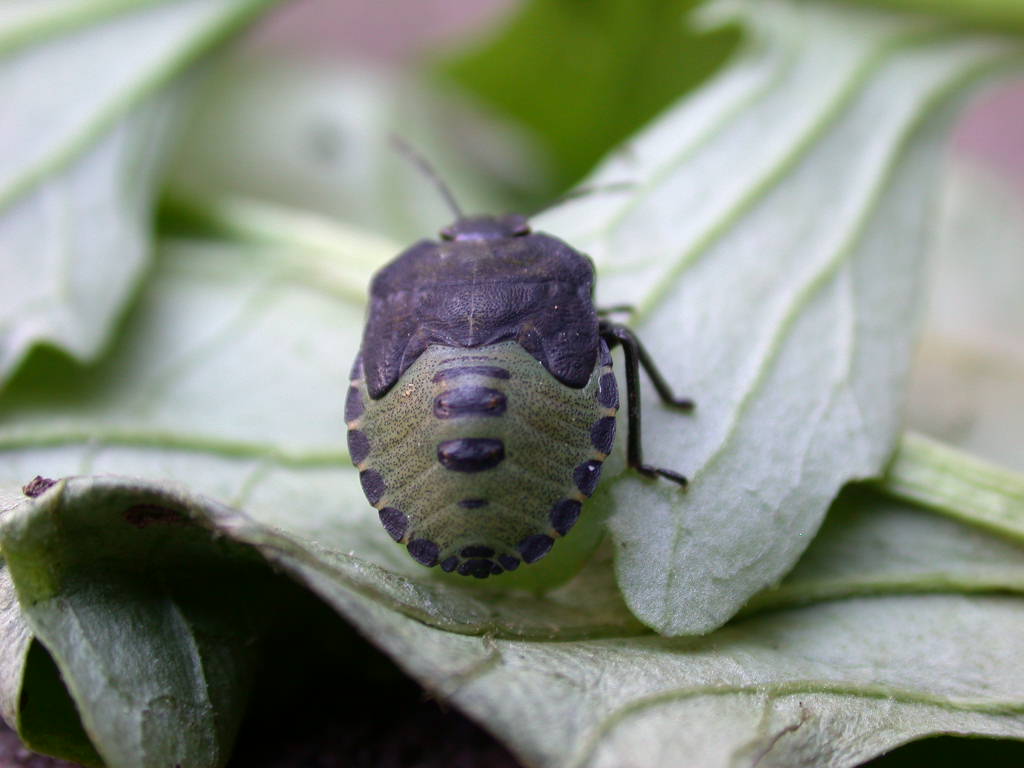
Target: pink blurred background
[(378, 30)]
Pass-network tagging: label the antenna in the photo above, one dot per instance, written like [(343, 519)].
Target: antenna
[(404, 148)]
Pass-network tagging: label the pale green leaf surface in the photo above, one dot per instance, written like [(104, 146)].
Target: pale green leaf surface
[(772, 244), (827, 685), (78, 170), (872, 544)]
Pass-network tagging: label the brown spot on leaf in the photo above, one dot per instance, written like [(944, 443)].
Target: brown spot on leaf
[(142, 515)]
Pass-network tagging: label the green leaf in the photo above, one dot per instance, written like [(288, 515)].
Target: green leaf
[(872, 544), (583, 76), (80, 163), (829, 684), (47, 718), (953, 483), (999, 15), (157, 658), (772, 244)]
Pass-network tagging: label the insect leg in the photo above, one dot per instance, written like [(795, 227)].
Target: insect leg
[(616, 333), (636, 355), (662, 386)]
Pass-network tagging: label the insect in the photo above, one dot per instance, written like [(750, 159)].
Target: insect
[(482, 402)]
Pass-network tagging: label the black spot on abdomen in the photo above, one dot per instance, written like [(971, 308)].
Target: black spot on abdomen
[(469, 401), (353, 404), (358, 446), (477, 550), (602, 434), (564, 515), (357, 367), (424, 551), (490, 371), (471, 454), (608, 392), (395, 522), (477, 567), (373, 485), (533, 548), (586, 476)]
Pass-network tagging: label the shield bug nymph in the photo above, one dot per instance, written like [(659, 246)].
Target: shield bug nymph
[(482, 402)]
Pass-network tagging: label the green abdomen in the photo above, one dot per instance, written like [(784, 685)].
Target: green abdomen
[(479, 458)]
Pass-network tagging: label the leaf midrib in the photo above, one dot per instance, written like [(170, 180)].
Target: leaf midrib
[(93, 436)]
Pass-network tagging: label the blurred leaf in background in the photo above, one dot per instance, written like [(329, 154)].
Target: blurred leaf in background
[(88, 117), (997, 15), (582, 76), (315, 136)]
